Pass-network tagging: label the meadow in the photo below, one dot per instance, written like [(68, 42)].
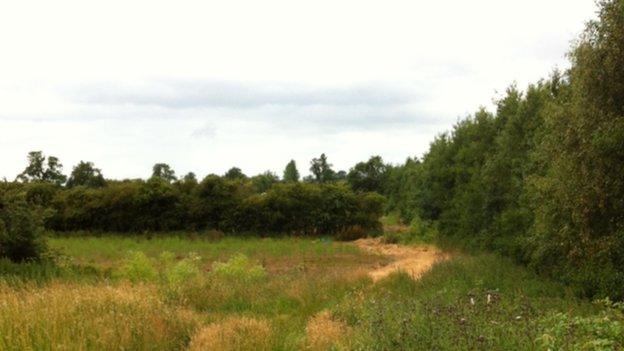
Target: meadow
[(179, 292)]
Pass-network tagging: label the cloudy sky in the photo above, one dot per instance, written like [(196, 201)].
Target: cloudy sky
[(208, 85)]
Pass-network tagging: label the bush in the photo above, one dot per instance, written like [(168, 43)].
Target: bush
[(238, 268), (21, 230), (137, 267), (230, 206), (181, 272)]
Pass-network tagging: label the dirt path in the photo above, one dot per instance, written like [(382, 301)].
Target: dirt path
[(414, 260)]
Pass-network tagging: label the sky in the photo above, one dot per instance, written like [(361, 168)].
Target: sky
[(208, 85)]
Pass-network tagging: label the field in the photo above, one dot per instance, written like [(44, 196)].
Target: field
[(175, 292)]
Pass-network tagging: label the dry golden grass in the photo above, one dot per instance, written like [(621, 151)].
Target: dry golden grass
[(233, 334), (91, 317), (325, 333)]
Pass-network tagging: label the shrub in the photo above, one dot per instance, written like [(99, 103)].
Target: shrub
[(182, 271), (238, 268), (137, 267), (215, 203), (21, 230)]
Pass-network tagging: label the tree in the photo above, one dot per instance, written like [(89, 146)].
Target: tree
[(291, 174), (21, 229), (36, 171), (321, 169), (579, 214), (340, 175), (368, 176), (163, 171), (85, 174), (235, 173), (263, 182), (187, 183), (190, 177)]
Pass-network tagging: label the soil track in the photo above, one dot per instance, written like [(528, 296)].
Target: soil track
[(414, 260)]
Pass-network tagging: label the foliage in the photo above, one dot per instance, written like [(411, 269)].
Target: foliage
[(37, 170), (164, 172), (181, 272), (214, 203), (579, 198), (539, 179), (21, 229), (291, 174), (264, 181), (238, 268), (368, 176), (234, 173), (321, 170), (137, 267), (85, 174)]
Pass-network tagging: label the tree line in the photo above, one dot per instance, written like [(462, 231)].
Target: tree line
[(322, 204), (541, 179)]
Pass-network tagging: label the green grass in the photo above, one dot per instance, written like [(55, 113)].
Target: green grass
[(296, 279), (173, 291), (478, 302), (107, 250)]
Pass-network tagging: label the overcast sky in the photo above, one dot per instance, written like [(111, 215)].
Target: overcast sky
[(207, 85)]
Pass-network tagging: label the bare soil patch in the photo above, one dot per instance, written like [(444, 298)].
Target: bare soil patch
[(413, 260)]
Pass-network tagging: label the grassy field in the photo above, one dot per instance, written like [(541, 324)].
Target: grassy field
[(177, 293)]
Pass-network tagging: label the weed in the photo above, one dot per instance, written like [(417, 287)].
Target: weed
[(137, 267), (238, 268)]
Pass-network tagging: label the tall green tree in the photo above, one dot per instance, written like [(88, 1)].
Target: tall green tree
[(579, 226), (21, 229), (368, 176), (321, 170), (164, 172), (264, 181), (39, 170), (291, 174), (85, 174)]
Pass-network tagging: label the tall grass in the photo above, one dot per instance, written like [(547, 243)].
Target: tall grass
[(284, 294), (482, 303), (160, 293), (91, 317), (107, 250)]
